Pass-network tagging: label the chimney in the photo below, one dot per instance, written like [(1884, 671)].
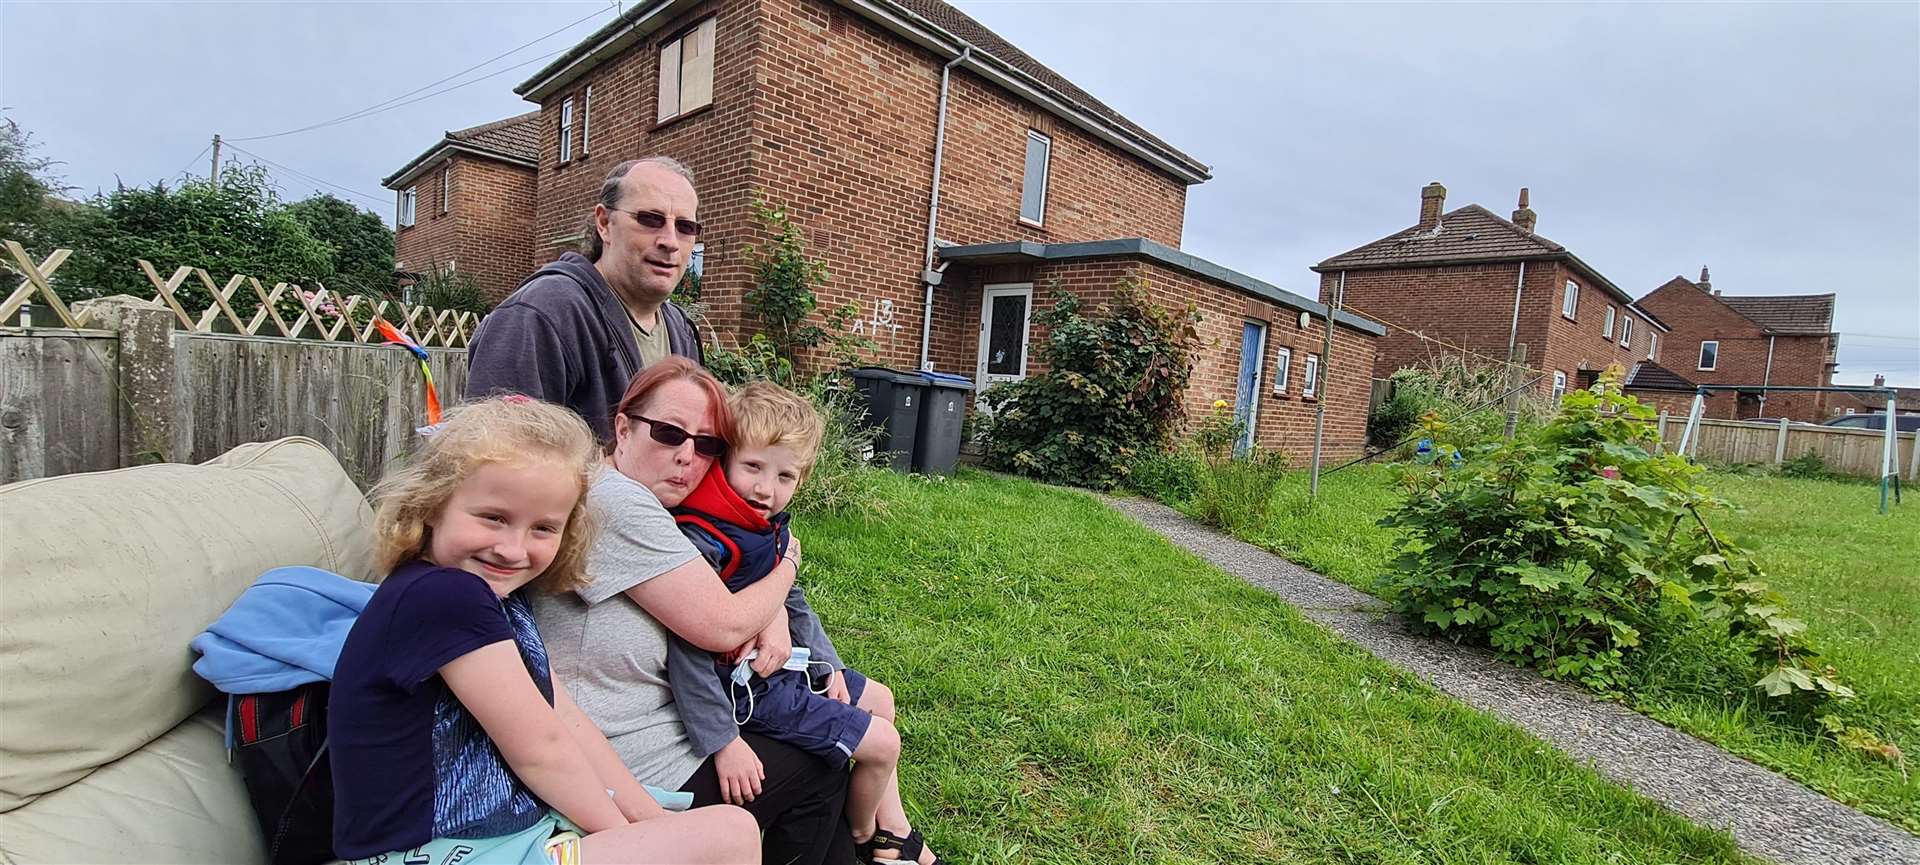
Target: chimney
[(1433, 199), (1706, 281), (1524, 217), (1879, 380)]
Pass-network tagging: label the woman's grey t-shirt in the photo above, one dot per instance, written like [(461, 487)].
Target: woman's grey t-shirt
[(610, 654)]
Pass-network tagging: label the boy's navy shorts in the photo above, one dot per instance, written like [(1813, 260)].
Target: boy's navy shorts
[(788, 711)]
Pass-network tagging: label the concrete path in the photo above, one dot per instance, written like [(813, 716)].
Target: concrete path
[(1768, 814)]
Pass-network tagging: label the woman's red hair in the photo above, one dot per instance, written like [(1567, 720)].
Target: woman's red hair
[(676, 368)]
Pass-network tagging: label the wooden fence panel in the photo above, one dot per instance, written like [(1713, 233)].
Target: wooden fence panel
[(57, 408), (362, 401), (1854, 452)]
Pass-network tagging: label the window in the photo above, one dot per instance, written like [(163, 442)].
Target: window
[(1282, 366), (1626, 332), (403, 208), (1313, 376), (697, 265), (1606, 327), (446, 187), (1653, 342), (1033, 192), (1709, 354), (1570, 302), (566, 130), (1559, 385), (586, 119), (686, 72)]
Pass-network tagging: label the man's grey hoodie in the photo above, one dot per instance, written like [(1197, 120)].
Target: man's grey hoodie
[(563, 337)]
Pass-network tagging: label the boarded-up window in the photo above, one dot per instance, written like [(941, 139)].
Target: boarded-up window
[(686, 72), (1033, 192)]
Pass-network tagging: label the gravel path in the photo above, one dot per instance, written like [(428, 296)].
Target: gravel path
[(1768, 815)]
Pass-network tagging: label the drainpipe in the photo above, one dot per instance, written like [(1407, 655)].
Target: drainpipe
[(929, 276), (1766, 378), (1513, 338)]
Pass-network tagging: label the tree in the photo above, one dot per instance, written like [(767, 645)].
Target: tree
[(26, 182), (361, 244)]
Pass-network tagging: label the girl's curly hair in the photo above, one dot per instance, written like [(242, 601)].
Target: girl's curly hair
[(507, 429)]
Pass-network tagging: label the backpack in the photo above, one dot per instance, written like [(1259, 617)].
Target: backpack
[(280, 746)]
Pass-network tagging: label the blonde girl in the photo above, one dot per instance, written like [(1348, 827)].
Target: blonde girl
[(450, 738)]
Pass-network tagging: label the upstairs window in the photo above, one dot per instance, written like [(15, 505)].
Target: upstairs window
[(446, 188), (1626, 332), (686, 72), (1606, 327), (586, 119), (1570, 301), (403, 208), (1313, 376), (1033, 191), (566, 130), (1653, 344), (1282, 367), (1709, 354)]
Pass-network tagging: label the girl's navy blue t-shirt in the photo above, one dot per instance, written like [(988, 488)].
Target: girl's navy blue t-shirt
[(409, 763)]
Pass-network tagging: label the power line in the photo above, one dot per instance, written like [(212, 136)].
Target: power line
[(196, 158), (395, 102), (298, 173)]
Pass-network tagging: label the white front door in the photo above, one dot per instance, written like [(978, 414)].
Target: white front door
[(1005, 311)]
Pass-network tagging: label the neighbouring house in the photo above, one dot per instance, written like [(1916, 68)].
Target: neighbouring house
[(1906, 400), (856, 116), (1662, 388), (1469, 282), (465, 206), (1721, 339)]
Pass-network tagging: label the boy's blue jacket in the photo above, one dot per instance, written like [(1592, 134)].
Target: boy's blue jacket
[(282, 632)]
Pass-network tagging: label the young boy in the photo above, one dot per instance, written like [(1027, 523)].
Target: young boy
[(737, 518)]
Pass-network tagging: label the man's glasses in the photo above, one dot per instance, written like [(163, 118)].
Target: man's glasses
[(654, 221), (667, 434)]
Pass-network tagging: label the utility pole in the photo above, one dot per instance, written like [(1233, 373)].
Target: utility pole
[(1320, 387), (215, 176)]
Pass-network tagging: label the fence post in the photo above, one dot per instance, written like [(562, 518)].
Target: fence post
[(1913, 456), (1780, 444), (1663, 432), (144, 380)]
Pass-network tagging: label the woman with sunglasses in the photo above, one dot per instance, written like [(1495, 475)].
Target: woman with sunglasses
[(608, 640)]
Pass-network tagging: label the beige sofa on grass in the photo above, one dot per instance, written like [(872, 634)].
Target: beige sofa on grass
[(111, 749)]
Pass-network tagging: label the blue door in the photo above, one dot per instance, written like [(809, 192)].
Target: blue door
[(1246, 403)]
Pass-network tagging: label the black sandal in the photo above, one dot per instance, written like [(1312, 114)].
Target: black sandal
[(909, 848)]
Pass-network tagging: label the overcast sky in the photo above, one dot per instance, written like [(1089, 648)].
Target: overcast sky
[(1778, 144)]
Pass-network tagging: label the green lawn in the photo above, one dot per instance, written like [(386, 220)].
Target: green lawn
[(1851, 573), (1075, 689)]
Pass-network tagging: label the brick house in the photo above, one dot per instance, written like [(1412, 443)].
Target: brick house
[(1468, 281), (1906, 401), (857, 116), (465, 205), (1753, 340)]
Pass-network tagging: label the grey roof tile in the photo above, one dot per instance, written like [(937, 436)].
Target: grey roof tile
[(1786, 313)]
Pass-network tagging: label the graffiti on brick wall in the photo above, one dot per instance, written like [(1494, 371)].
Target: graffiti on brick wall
[(880, 325)]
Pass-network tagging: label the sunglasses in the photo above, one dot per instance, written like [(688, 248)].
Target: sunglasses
[(655, 221), (672, 436)]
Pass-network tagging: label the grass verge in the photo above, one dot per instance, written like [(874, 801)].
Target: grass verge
[(1075, 689), (1851, 573)]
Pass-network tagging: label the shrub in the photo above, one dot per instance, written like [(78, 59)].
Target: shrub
[(1463, 391), (1171, 477), (1570, 547), (1112, 390), (1807, 465), (842, 481)]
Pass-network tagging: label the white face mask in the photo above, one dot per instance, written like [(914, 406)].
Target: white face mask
[(742, 677)]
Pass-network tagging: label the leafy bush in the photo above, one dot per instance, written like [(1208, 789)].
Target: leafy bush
[(1112, 391), (783, 299), (842, 481), (448, 290), (1808, 465), (1465, 392), (1571, 547), (1170, 477)]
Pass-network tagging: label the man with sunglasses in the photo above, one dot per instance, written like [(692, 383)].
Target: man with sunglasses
[(577, 330)]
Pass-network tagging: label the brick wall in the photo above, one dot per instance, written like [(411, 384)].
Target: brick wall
[(1285, 421), (1431, 311), (1695, 316), (834, 119), (487, 230)]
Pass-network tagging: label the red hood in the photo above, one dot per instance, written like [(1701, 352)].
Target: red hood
[(715, 497)]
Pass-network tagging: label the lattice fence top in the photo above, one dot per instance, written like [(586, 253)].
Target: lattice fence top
[(321, 314)]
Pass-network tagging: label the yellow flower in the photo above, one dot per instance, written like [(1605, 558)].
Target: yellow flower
[(1219, 403)]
